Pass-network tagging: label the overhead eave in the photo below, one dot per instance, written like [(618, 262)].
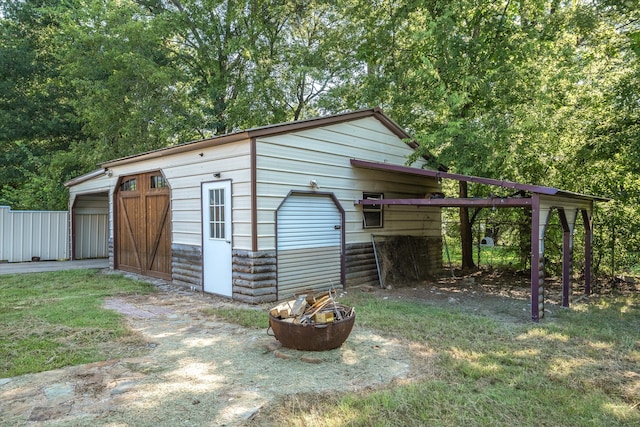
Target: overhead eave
[(85, 177)]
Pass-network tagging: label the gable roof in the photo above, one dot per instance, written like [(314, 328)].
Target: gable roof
[(269, 130)]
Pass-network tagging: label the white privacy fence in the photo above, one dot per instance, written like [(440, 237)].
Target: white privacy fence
[(28, 234)]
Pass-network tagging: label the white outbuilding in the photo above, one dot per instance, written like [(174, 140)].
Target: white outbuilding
[(262, 214)]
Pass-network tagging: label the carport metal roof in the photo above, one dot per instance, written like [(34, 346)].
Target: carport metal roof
[(540, 199), (538, 189)]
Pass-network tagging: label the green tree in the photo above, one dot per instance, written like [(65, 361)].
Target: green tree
[(508, 90), (131, 93), (37, 119), (304, 54), (251, 63), (606, 124), (535, 91)]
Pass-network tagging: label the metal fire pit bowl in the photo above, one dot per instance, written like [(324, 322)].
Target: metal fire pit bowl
[(312, 337)]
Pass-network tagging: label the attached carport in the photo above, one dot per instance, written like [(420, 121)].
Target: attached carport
[(542, 201)]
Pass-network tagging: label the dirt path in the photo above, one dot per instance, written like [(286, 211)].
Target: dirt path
[(197, 372)]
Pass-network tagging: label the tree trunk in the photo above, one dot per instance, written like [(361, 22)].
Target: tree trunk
[(466, 234)]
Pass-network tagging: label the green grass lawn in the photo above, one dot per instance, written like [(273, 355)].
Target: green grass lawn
[(52, 320), (581, 369), (495, 256)]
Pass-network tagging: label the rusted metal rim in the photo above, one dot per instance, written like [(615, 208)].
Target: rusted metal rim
[(312, 337)]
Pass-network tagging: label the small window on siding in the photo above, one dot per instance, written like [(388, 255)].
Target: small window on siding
[(158, 181), (372, 214), (128, 185)]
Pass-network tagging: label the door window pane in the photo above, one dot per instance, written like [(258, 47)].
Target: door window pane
[(158, 181), (216, 214), (128, 185)]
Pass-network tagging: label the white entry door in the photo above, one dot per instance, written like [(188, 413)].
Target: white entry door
[(216, 237)]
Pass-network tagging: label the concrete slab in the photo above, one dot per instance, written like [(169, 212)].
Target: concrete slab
[(40, 266)]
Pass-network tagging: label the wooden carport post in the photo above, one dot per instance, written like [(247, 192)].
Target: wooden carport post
[(568, 221), (539, 220)]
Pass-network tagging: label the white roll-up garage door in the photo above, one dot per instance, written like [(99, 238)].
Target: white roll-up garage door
[(309, 244)]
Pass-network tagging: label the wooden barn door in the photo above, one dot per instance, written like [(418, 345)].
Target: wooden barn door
[(143, 232)]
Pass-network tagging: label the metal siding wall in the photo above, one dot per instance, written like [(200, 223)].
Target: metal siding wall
[(27, 234), (185, 172), (290, 161), (309, 246), (91, 236), (91, 222)]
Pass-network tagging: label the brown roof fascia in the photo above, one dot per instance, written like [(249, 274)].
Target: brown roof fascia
[(315, 122), (393, 126), (539, 189), (269, 130), (181, 148), (402, 134), (574, 195)]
